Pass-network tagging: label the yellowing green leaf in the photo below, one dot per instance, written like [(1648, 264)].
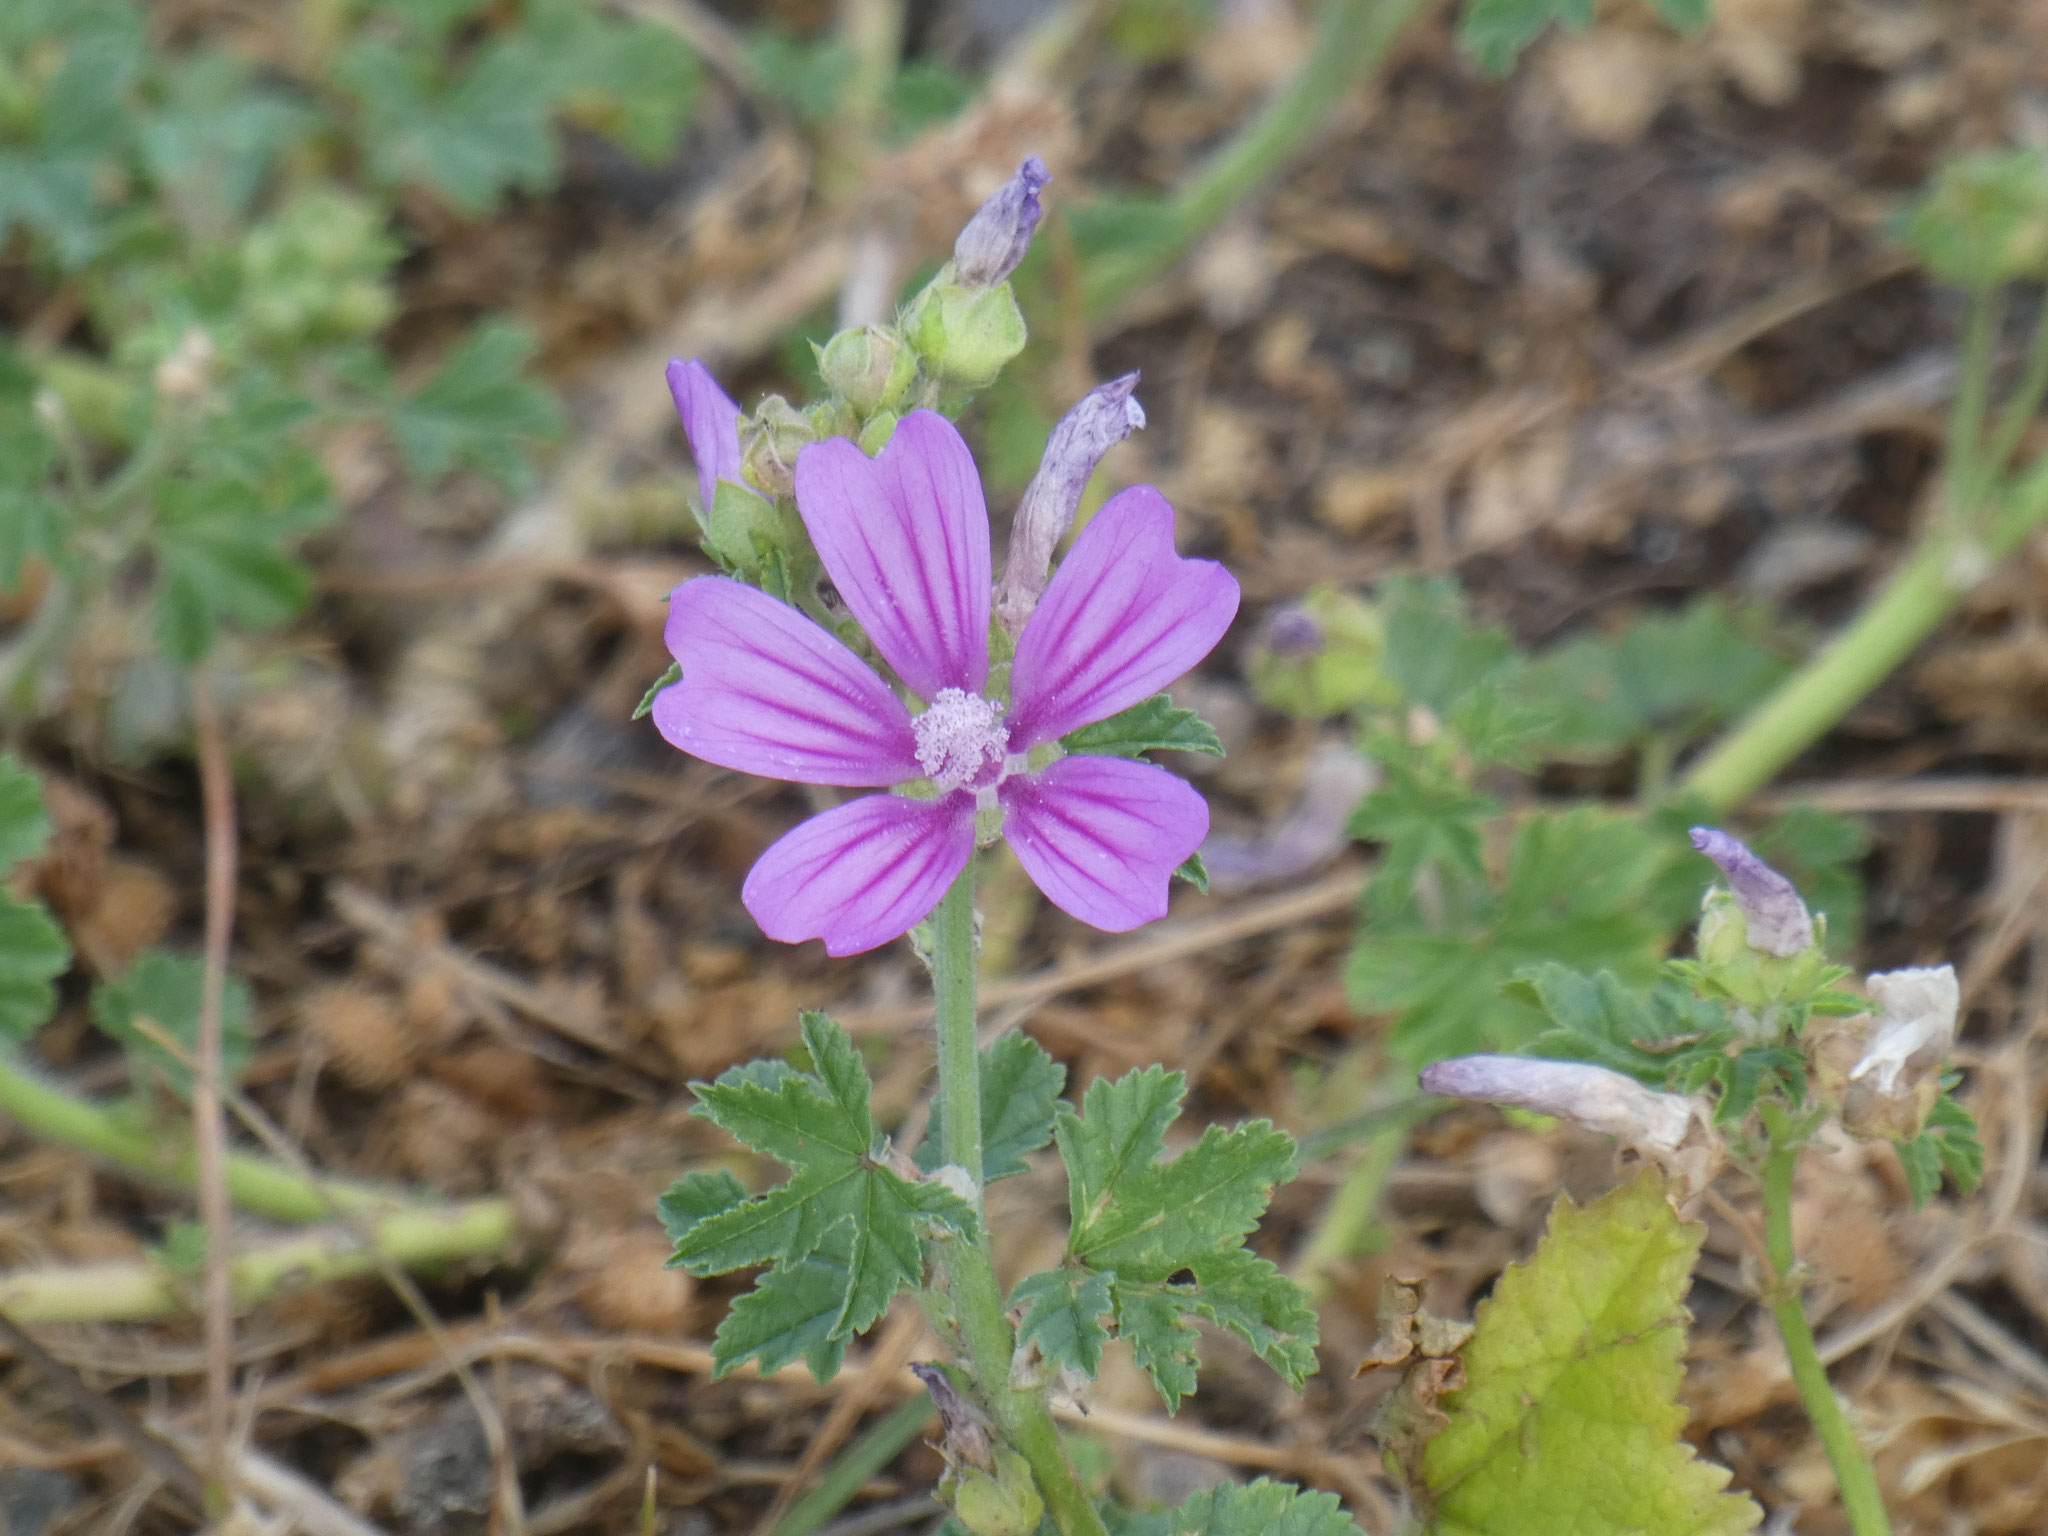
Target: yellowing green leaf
[(1569, 1423)]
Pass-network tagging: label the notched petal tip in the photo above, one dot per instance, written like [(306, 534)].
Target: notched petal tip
[(1102, 836), (1123, 617), (904, 537), (861, 874)]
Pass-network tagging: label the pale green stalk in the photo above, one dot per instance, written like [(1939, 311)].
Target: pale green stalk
[(254, 1183), (985, 1333), (419, 1238), (1861, 1500)]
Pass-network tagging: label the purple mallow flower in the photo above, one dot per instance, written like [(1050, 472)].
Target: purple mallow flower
[(1776, 919), (994, 241), (1105, 416), (711, 422), (904, 538)]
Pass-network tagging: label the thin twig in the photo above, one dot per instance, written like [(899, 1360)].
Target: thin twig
[(209, 1130)]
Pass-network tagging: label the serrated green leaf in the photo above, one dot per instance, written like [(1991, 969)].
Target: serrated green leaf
[(478, 410), (1163, 1342), (633, 81), (1261, 1508), (1154, 724), (792, 1313), (1949, 1144), (840, 1201), (1122, 1127), (1020, 1091), (1599, 1019), (1062, 1313), (165, 989), (697, 1197), (1495, 32), (1141, 1223), (1239, 1291), (470, 134), (1576, 891), (33, 954), (1159, 1217), (1423, 819), (24, 823), (1194, 871), (1569, 1423)]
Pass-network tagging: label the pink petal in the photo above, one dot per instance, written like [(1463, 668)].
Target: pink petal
[(711, 421), (1123, 617), (863, 873), (767, 691), (904, 537), (1102, 836)]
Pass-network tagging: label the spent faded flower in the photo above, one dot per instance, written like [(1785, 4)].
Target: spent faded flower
[(1915, 1028), (1777, 921), (904, 538)]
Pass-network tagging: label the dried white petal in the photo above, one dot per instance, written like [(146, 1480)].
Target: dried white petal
[(1917, 1023)]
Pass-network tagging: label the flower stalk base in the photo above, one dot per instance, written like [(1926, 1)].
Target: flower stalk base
[(977, 1300)]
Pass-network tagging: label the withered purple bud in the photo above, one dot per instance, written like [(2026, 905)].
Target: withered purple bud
[(966, 1438), (1103, 417), (1291, 631), (1670, 1129), (999, 234), (1777, 920)]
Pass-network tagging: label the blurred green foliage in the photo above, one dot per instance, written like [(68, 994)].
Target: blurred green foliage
[(206, 241)]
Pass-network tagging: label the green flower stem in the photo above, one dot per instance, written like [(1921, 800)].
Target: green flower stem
[(1917, 597), (1853, 1475), (1985, 517), (977, 1297), (1352, 37), (132, 1293), (254, 1183)]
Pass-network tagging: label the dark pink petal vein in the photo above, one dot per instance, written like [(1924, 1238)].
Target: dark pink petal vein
[(1122, 617), (1102, 836), (863, 873), (766, 691), (904, 537)]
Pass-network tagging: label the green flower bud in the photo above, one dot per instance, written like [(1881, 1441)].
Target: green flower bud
[(770, 440), (965, 336), (869, 368), (1724, 931), (875, 435), (1005, 1502), (1321, 656)]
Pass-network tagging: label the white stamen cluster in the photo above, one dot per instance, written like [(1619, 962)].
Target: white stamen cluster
[(959, 738)]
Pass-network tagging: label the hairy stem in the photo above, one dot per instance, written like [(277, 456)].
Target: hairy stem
[(977, 1298), (1861, 1500), (1352, 36)]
